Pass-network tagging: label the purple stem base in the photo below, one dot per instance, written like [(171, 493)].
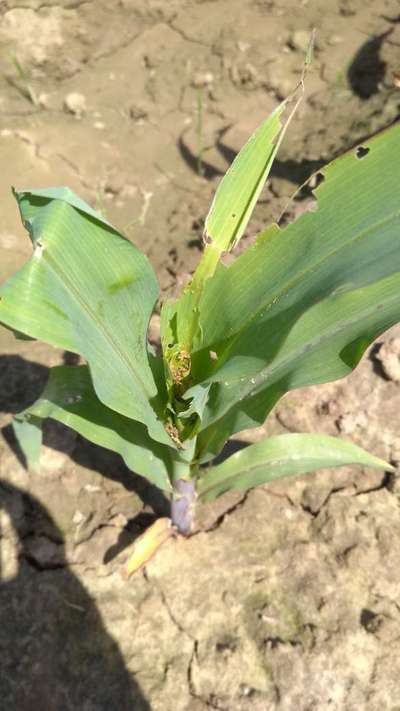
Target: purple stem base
[(182, 506)]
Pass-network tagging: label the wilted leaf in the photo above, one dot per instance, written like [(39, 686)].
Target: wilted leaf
[(147, 545)]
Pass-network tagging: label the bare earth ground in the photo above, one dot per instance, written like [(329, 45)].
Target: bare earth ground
[(289, 597)]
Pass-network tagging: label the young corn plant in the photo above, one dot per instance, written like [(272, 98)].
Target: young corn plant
[(297, 307)]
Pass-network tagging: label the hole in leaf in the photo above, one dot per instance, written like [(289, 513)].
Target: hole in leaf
[(316, 180), (195, 244), (361, 152), (303, 201)]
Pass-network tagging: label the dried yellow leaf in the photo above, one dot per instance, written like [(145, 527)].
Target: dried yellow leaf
[(148, 544)]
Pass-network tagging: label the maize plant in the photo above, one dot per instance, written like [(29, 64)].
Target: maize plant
[(298, 307)]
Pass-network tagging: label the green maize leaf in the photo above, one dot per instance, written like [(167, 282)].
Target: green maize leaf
[(227, 416), (301, 305), (28, 432), (242, 184), (281, 456), (350, 240), (226, 222), (199, 400), (69, 397), (30, 201), (325, 344), (88, 290)]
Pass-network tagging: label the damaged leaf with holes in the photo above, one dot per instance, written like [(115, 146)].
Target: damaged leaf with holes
[(298, 307)]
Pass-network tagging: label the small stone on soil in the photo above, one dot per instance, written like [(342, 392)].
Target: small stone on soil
[(75, 104)]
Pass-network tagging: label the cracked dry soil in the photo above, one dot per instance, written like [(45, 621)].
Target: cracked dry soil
[(288, 597)]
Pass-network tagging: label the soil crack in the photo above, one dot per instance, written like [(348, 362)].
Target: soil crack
[(189, 673), (210, 702), (386, 483), (49, 6), (221, 518), (42, 567), (114, 50), (167, 606), (185, 36)]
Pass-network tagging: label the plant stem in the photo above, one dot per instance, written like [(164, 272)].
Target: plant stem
[(182, 506)]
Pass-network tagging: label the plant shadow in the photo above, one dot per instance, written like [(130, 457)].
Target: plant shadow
[(296, 172), (21, 383), (55, 650), (231, 447), (367, 70)]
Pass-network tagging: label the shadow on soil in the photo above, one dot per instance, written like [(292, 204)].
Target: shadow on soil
[(55, 651), (21, 383), (296, 172), (367, 69)]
